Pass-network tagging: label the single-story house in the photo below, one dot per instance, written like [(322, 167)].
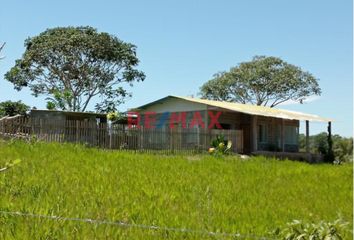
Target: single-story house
[(263, 128), (66, 126)]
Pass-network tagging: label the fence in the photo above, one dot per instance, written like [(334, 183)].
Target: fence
[(114, 136)]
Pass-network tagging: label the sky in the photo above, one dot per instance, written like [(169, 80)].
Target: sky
[(181, 44)]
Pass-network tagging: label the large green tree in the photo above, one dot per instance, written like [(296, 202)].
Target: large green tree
[(266, 81), (10, 108), (74, 65), (342, 146)]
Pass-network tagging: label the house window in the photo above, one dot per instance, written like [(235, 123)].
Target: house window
[(262, 133), (278, 136), (291, 135)]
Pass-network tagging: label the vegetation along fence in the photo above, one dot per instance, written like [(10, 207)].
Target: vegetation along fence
[(117, 136)]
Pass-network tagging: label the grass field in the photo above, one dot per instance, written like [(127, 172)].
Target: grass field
[(202, 193)]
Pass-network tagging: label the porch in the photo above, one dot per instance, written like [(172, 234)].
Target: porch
[(286, 144)]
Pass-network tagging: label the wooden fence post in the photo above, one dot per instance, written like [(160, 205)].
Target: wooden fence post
[(110, 135)]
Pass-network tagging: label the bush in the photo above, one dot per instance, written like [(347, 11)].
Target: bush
[(298, 230), (9, 108), (115, 116), (112, 116), (342, 146), (220, 146)]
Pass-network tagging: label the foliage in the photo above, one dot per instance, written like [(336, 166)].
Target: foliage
[(9, 165), (51, 106), (342, 146), (60, 100), (74, 65), (220, 146), (10, 108), (180, 191), (202, 193), (114, 116), (299, 230), (266, 81)]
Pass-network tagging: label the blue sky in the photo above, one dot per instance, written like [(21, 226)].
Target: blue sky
[(181, 44)]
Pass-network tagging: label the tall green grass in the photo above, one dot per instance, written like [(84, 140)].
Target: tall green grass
[(196, 192)]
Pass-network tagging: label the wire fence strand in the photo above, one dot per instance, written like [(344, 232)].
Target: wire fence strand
[(131, 225)]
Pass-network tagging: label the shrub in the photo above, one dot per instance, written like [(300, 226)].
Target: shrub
[(342, 146), (9, 108), (220, 146), (115, 116), (297, 230)]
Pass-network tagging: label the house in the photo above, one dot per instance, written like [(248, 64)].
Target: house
[(66, 126), (264, 129), (173, 124)]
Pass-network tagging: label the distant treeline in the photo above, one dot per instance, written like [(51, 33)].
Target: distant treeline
[(342, 146)]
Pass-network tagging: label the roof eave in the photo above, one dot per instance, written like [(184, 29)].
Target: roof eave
[(283, 114)]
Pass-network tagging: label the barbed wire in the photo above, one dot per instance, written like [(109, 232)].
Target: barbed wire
[(132, 225)]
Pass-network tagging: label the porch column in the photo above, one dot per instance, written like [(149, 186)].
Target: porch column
[(254, 133), (307, 136)]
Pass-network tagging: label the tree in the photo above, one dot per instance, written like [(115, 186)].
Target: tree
[(74, 65), (342, 146), (266, 81), (9, 108)]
